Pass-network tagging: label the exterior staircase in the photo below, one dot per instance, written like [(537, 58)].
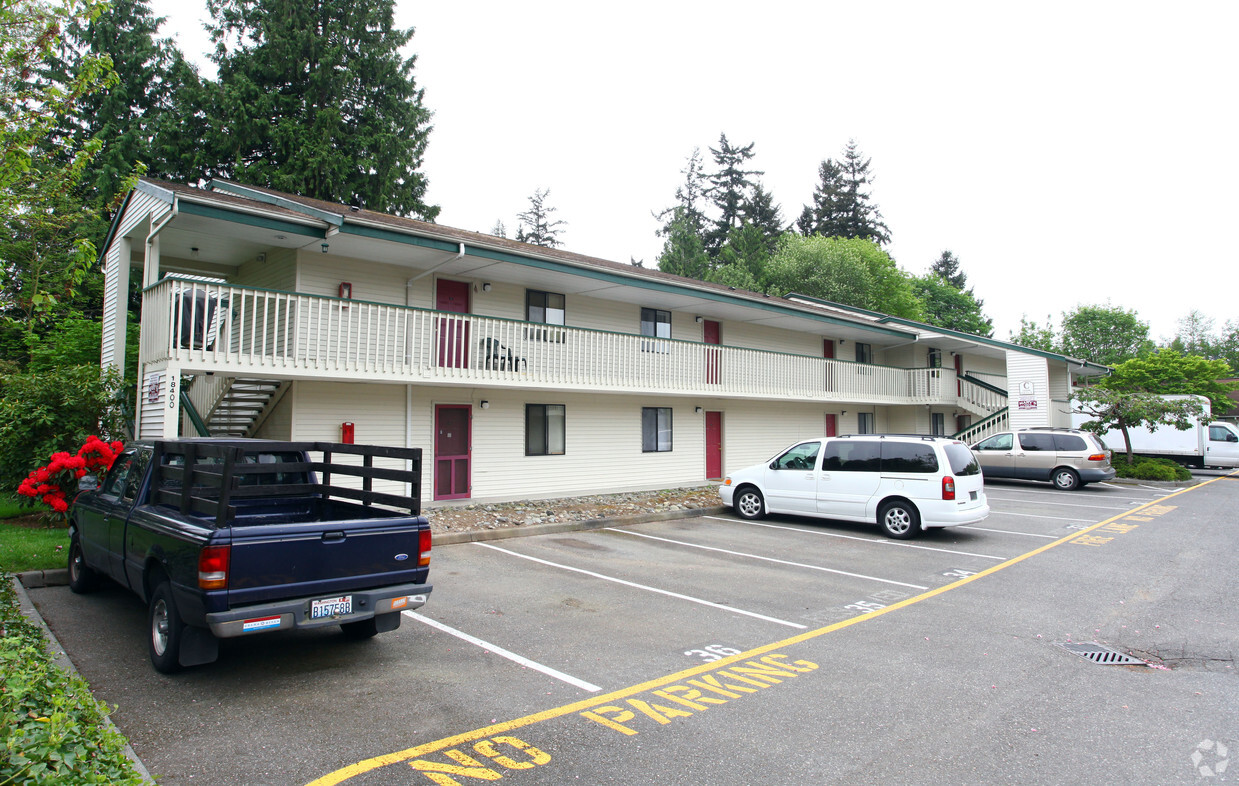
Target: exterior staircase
[(235, 406)]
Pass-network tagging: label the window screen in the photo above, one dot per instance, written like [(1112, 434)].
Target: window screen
[(655, 429)]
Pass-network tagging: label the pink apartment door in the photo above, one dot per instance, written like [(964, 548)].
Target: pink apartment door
[(712, 334), (828, 352), (453, 297), (452, 451), (714, 446)]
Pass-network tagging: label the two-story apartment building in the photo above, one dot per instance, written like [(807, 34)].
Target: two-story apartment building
[(522, 372)]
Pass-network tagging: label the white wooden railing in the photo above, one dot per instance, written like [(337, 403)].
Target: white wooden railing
[(242, 331)]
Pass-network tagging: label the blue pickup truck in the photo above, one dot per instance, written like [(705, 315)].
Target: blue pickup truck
[(225, 538)]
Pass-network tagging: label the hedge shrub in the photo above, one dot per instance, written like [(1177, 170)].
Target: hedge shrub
[(1145, 468), (52, 730)]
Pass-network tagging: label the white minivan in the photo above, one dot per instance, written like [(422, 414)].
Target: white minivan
[(905, 483)]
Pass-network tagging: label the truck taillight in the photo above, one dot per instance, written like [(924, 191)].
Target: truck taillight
[(948, 487), (213, 567), (423, 548)]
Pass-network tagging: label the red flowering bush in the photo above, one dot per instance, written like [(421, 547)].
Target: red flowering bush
[(48, 483)]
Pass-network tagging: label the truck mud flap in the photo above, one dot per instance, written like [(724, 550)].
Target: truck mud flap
[(198, 646)]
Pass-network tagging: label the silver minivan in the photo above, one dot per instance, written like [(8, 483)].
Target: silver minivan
[(1066, 457)]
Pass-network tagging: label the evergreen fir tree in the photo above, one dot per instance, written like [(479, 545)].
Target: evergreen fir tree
[(947, 267), (126, 117), (315, 98), (824, 216), (684, 252), (842, 205), (730, 188), (536, 225), (760, 212), (688, 197)]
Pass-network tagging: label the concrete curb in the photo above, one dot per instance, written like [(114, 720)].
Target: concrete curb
[(60, 658), (551, 528)]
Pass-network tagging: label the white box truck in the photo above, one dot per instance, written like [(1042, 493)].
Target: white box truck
[(1204, 444)]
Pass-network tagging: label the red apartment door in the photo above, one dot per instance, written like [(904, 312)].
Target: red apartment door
[(452, 451), (714, 446), (832, 425), (959, 373), (828, 352), (453, 297), (712, 334)]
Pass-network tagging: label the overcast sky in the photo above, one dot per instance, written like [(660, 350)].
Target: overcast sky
[(1067, 152)]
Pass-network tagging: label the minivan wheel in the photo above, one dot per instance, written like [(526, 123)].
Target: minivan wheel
[(749, 503), (1066, 479), (900, 520)]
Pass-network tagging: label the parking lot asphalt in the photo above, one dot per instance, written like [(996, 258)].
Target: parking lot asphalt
[(714, 650)]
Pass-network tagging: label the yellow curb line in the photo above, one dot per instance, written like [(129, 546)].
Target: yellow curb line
[(353, 770)]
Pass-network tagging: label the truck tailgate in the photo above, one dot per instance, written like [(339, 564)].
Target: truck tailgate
[(281, 561)]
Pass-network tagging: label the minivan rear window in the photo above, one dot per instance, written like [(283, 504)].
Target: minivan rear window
[(909, 457), (1069, 442), (962, 460)]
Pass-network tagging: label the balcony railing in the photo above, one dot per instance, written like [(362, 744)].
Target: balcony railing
[(238, 330)]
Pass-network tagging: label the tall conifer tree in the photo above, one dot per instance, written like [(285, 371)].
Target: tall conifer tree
[(315, 98), (730, 187)]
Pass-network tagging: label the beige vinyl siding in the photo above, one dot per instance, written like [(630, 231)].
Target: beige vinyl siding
[(114, 308), (278, 271), (279, 424), (741, 334), (151, 412), (1022, 368), (755, 431), (376, 412), (375, 282)]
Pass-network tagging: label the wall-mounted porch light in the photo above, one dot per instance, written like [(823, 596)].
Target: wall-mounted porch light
[(485, 404)]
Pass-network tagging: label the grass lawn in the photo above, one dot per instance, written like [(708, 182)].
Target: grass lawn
[(26, 543)]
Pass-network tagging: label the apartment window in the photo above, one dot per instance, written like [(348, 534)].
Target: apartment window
[(544, 429), (655, 429), (548, 309), (937, 424), (864, 353), (544, 307), (864, 423), (657, 324), (935, 358)]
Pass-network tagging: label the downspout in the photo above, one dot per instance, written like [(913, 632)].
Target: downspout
[(409, 284)]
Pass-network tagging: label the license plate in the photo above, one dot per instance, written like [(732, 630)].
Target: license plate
[(331, 607), (972, 495)]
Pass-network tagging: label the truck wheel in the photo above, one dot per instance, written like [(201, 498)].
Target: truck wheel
[(82, 578), (900, 520), (362, 629), (165, 630), (749, 503), (1066, 479)]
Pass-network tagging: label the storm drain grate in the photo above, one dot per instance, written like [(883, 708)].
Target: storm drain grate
[(1103, 655)]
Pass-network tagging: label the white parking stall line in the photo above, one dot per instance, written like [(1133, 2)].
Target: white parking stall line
[(668, 593), (766, 559), (879, 541), (512, 656), (1072, 519), (1013, 532), (992, 498)]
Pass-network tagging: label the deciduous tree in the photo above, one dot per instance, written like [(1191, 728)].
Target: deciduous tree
[(1104, 334), (851, 271)]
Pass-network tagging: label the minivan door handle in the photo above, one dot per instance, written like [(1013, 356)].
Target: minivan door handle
[(333, 537)]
